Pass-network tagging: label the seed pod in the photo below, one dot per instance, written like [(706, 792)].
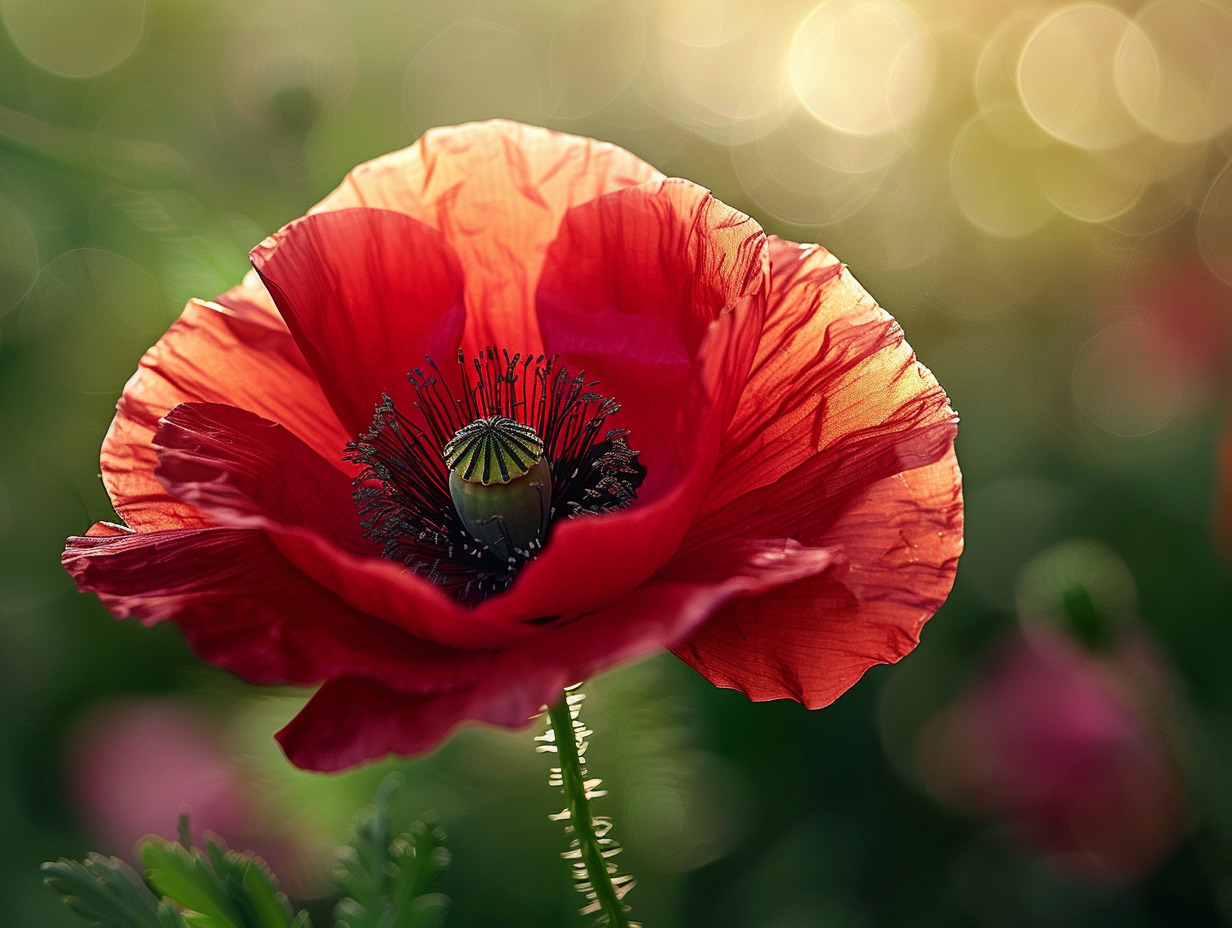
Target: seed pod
[(501, 485)]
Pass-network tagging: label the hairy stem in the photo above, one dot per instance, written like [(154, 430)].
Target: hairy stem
[(590, 845)]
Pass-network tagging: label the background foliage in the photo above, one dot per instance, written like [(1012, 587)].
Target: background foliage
[(1042, 195)]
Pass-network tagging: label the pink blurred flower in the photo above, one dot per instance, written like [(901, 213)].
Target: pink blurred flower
[(1056, 743), (136, 765)]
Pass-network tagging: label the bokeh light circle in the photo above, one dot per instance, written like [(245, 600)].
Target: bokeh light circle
[(733, 92), (841, 151), (18, 256), (994, 182), (1180, 85), (1067, 75), (1214, 227), (996, 81), (1079, 186), (1123, 385), (909, 218), (863, 66), (75, 38), (785, 182)]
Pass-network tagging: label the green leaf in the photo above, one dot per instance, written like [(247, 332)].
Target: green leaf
[(252, 888), (385, 877), (222, 889), (272, 908), (108, 893), (183, 875)]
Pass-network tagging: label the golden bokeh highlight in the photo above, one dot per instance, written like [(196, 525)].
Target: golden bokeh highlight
[(1177, 81), (1080, 187), (787, 182), (1067, 75), (996, 81), (732, 91), (705, 23), (863, 66)]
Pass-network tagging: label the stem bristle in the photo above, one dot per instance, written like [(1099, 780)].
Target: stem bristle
[(590, 848)]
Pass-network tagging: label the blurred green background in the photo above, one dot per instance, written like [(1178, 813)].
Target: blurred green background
[(1040, 194)]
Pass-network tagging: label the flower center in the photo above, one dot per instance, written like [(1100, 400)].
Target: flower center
[(464, 489), (501, 485)]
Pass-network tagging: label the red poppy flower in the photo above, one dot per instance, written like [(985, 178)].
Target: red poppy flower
[(744, 461)]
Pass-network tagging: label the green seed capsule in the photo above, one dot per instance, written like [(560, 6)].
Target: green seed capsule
[(501, 485)]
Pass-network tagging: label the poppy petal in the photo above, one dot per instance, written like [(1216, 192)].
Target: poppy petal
[(242, 606), (659, 293), (246, 472), (487, 187), (211, 355), (834, 388), (367, 293), (232, 464), (896, 551), (251, 301), (664, 312), (845, 441), (530, 674)]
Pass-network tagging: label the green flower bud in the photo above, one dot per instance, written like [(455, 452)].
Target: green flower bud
[(501, 485)]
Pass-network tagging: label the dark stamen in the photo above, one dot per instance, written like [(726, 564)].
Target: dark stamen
[(402, 490)]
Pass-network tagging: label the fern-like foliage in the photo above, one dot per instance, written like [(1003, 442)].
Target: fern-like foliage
[(385, 876), (108, 894), (182, 889), (220, 888), (385, 879)]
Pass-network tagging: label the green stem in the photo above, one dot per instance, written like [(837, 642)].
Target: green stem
[(573, 784)]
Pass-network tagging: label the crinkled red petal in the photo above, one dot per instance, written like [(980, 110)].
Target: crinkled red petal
[(528, 675), (208, 355), (232, 464), (246, 472), (658, 292), (896, 550), (367, 294), (242, 606), (842, 441), (833, 377), (497, 192)]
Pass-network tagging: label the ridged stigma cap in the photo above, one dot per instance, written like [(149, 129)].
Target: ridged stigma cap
[(501, 485)]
